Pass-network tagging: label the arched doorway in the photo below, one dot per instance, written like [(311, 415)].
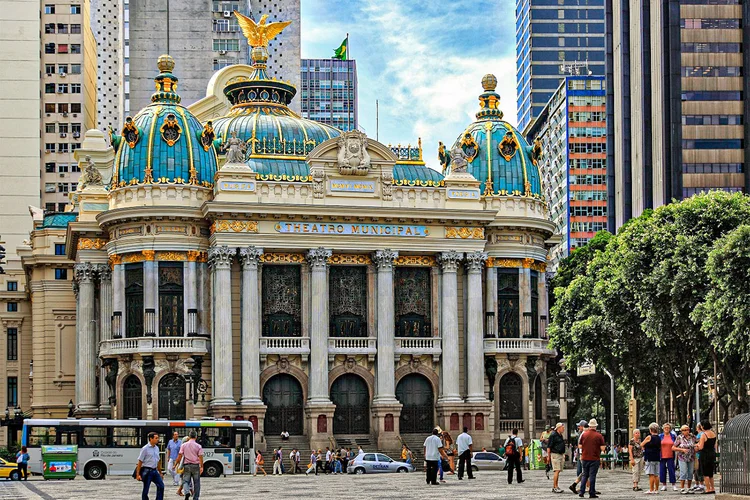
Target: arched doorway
[(415, 393), (511, 397), (172, 397), (132, 399), (352, 399), (282, 395)]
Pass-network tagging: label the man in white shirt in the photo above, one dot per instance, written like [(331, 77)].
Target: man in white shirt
[(433, 451), (464, 444)]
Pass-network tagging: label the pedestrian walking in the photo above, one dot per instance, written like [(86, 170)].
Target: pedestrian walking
[(313, 465), (513, 446), (651, 456), (191, 454), (328, 468), (556, 451), (433, 454), (684, 448), (173, 450), (581, 426), (296, 462), (405, 453), (281, 459), (148, 468), (259, 462), (592, 445), (276, 462), (666, 463), (319, 462), (291, 460), (697, 468), (22, 459), (707, 447), (336, 462), (635, 451), (544, 441), (464, 445)]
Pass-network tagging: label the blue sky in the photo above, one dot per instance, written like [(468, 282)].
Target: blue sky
[(423, 60)]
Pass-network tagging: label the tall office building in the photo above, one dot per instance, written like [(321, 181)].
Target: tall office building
[(572, 132), (675, 94), (550, 34), (109, 23), (329, 92), (68, 90)]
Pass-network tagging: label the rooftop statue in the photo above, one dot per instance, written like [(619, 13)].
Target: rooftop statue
[(91, 175), (459, 162), (259, 34), (235, 148)]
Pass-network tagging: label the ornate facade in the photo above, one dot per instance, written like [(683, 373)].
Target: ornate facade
[(324, 284)]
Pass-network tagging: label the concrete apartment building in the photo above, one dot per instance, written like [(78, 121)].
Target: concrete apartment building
[(548, 34), (572, 132), (676, 86), (329, 92), (68, 95)]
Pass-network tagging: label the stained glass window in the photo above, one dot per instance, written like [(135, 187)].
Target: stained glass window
[(507, 303), (282, 302), (413, 302), (535, 304), (348, 301), (134, 300), (171, 299)]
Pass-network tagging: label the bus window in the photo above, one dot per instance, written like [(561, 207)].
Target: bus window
[(94, 437), (67, 435), (243, 439), (215, 436), (42, 435), (125, 437)]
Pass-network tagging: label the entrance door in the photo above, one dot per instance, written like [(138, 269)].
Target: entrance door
[(417, 415), (352, 399), (282, 395), (172, 397)]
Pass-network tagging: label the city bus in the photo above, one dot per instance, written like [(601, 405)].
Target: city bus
[(112, 446)]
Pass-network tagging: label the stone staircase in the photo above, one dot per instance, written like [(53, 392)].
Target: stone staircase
[(353, 441), (415, 442), (299, 442)]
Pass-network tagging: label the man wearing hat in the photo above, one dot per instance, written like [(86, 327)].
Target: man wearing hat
[(582, 426), (556, 450), (592, 445)]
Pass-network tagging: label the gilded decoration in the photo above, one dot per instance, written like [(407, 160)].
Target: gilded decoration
[(471, 233), (115, 260), (171, 256), (130, 132), (236, 226), (537, 152), (170, 130), (346, 258), (91, 243), (283, 258), (508, 146), (207, 135), (171, 229), (196, 256), (496, 262), (470, 147), (260, 34), (415, 260)]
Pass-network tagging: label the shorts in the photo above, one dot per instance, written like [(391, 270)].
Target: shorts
[(558, 461), (651, 468), (686, 471)]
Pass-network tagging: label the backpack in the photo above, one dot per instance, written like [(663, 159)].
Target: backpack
[(510, 447)]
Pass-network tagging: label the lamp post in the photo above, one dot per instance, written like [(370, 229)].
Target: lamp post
[(697, 371), (71, 407), (611, 408), (195, 383), (13, 422)]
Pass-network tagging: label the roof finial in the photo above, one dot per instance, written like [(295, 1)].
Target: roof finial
[(489, 100), (165, 63)]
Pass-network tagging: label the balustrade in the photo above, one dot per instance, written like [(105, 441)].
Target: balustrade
[(418, 346), (284, 345), (523, 346), (352, 346), (149, 345)]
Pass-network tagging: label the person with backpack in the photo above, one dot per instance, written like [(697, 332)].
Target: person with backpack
[(556, 450), (513, 447)]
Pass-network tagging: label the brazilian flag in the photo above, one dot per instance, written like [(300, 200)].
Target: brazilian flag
[(342, 52)]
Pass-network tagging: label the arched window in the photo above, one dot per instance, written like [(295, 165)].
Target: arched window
[(352, 399), (507, 302), (171, 302), (134, 300), (511, 396), (132, 399), (172, 402)]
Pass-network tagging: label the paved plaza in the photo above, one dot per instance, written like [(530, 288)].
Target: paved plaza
[(613, 485)]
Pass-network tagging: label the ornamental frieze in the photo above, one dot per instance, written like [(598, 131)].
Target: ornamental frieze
[(171, 229), (91, 243), (415, 260), (346, 258), (234, 226), (471, 233), (283, 258), (171, 256), (532, 264)]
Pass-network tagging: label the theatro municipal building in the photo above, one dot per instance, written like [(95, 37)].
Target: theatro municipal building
[(234, 260)]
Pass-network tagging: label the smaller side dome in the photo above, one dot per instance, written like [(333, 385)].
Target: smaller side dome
[(164, 143)]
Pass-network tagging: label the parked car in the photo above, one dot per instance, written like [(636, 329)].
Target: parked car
[(370, 463), (9, 470), (487, 460)]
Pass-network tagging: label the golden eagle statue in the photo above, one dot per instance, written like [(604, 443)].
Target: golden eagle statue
[(259, 34)]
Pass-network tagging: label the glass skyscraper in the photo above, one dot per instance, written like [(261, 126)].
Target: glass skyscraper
[(550, 33), (329, 92)]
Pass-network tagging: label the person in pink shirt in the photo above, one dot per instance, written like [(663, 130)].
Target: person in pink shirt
[(666, 463), (192, 455)]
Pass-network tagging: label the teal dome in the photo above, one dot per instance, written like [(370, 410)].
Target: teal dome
[(278, 140), (496, 150), (164, 143)]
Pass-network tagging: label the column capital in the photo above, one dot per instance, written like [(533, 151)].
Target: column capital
[(221, 257), (85, 272), (76, 288), (250, 257), (318, 257), (384, 259), (475, 261), (450, 260), (105, 273)]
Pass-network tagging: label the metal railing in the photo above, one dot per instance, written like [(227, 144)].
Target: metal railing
[(735, 456)]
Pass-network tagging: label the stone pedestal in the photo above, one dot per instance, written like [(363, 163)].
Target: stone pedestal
[(480, 430), (462, 191), (385, 417), (319, 422), (235, 182)]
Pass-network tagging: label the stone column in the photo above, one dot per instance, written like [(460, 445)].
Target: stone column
[(220, 260), (118, 291), (105, 325), (474, 328), (385, 391), (543, 306), (190, 274), (86, 339), (449, 262), (318, 260), (490, 296), (251, 324), (204, 297), (524, 298), (151, 287)]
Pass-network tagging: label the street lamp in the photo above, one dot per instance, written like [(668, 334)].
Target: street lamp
[(195, 383), (611, 408), (71, 406), (697, 371)]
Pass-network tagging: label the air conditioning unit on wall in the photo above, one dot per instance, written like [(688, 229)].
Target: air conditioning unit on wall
[(227, 13)]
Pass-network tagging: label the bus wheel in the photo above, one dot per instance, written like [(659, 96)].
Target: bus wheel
[(213, 469), (94, 471)]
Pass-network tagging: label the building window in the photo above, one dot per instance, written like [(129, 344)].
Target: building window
[(508, 303), (61, 273), (62, 128), (134, 300), (62, 88), (62, 107), (75, 9), (348, 301), (59, 248), (49, 68), (63, 168), (232, 44), (49, 107), (132, 400), (413, 301), (75, 69), (534, 304), (49, 147), (49, 48), (49, 128), (12, 392), (12, 307), (62, 69), (13, 286), (62, 28), (49, 207), (49, 88), (49, 9), (75, 29), (75, 88), (62, 147), (12, 344), (75, 48), (282, 304), (62, 187), (75, 107), (74, 167), (61, 207), (62, 48)]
